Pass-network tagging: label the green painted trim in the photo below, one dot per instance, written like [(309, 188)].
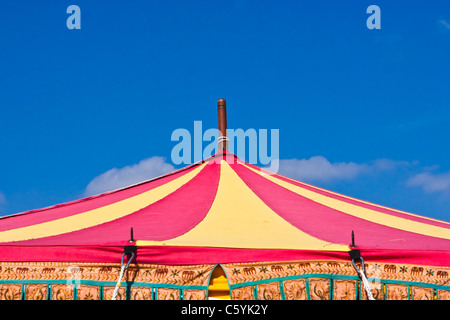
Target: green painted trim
[(333, 276), (228, 281), (100, 284), (209, 280), (75, 292), (255, 292), (308, 289), (280, 284), (332, 289), (327, 276), (411, 283), (128, 290), (101, 294), (358, 291), (49, 292), (280, 280), (23, 296)]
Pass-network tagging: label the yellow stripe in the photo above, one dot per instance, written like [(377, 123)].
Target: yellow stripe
[(363, 213), (364, 202), (100, 215), (238, 218)]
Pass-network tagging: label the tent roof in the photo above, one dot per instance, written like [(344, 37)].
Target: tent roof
[(217, 211)]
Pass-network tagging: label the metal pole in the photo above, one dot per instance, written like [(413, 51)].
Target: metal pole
[(222, 113)]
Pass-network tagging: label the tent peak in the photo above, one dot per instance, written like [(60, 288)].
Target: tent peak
[(223, 155)]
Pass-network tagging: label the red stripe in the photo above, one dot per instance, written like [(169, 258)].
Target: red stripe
[(357, 202), (198, 255), (367, 205), (165, 219), (83, 205), (332, 225)]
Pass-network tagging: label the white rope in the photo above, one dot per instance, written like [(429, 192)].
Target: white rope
[(366, 285), (222, 138), (119, 282)]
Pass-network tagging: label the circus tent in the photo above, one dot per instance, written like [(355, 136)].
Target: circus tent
[(223, 228)]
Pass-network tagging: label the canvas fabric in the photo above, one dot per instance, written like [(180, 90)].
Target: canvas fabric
[(97, 281), (336, 280), (221, 210)]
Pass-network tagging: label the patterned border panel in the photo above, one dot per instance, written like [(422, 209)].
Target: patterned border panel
[(295, 289), (88, 292), (95, 281), (109, 291), (141, 293), (345, 289), (62, 292), (240, 273), (196, 275), (243, 293), (168, 294), (420, 293), (268, 291), (336, 280), (443, 294), (36, 292), (397, 292), (194, 294), (297, 280), (319, 289), (377, 290), (10, 291)]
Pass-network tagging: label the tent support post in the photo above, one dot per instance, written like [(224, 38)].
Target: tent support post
[(222, 113)]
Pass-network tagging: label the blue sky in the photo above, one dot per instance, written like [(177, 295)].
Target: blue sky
[(361, 112)]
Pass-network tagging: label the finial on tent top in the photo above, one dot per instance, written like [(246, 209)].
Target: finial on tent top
[(353, 245), (131, 236), (222, 113)]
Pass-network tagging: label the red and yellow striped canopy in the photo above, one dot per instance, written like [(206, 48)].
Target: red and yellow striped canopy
[(222, 210)]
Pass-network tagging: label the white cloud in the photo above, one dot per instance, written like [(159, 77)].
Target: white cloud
[(431, 182), (118, 178), (2, 203), (319, 169), (444, 23), (389, 165)]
